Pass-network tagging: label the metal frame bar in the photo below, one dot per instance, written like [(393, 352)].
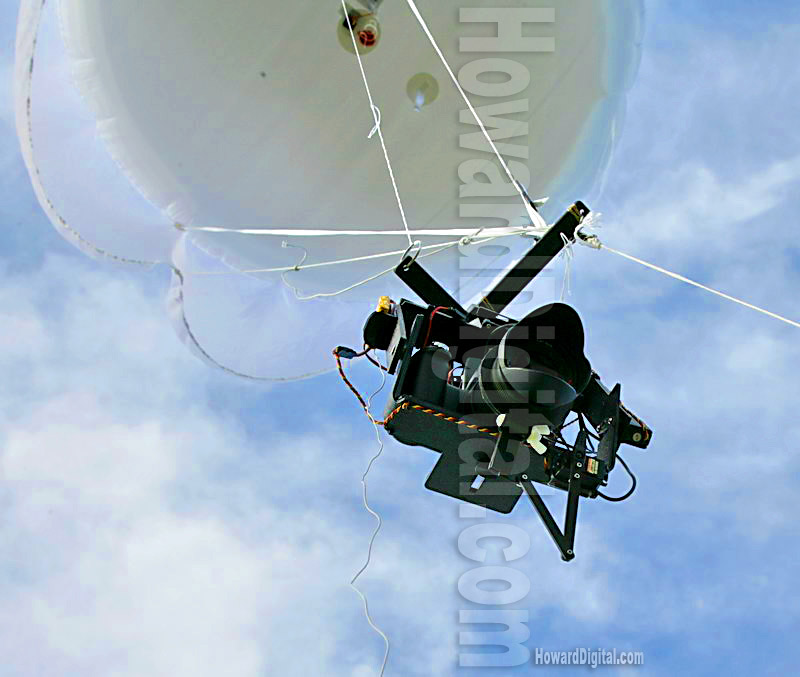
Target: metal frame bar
[(565, 541), (532, 263)]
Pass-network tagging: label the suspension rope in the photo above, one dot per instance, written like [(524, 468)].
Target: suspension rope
[(320, 232), (397, 252), (355, 285), (534, 216), (598, 245), (376, 116)]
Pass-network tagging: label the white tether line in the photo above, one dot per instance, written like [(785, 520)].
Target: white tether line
[(328, 232), (375, 531), (355, 285), (367, 257), (380, 274), (676, 276), (532, 213), (376, 116)]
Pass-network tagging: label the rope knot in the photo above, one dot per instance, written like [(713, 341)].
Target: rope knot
[(587, 239), (376, 114)]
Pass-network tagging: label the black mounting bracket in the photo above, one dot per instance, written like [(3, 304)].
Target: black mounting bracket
[(565, 541), (534, 262), (609, 429), (483, 460), (425, 286)]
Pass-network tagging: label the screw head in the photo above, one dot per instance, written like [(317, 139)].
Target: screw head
[(525, 477), (637, 437), (577, 475)]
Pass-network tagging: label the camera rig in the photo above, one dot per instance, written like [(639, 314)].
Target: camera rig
[(498, 423)]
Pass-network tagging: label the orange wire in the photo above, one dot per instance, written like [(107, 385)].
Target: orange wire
[(352, 387)]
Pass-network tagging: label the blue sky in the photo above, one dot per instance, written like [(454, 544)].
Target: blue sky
[(160, 518)]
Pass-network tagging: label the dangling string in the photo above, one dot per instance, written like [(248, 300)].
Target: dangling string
[(568, 256), (369, 509)]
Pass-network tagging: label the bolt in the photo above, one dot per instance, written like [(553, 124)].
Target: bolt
[(569, 552), (577, 475), (580, 465), (637, 437), (525, 477)]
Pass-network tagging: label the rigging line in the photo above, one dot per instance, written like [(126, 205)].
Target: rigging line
[(355, 285), (330, 294), (375, 532), (377, 118), (534, 216), (681, 278), (322, 232), (355, 259)]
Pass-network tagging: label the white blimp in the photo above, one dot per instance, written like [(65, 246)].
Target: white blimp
[(281, 157)]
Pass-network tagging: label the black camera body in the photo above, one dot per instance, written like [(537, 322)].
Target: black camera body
[(534, 372), (492, 395)]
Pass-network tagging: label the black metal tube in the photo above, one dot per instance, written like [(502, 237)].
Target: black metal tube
[(530, 265), (425, 286)]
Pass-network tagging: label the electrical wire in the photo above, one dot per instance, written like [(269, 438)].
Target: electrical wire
[(430, 323), (617, 499), (349, 353)]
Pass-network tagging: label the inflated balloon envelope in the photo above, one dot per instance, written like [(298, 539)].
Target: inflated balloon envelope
[(226, 137)]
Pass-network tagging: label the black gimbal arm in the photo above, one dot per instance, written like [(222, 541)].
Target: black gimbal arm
[(514, 281), (534, 262), (425, 286)]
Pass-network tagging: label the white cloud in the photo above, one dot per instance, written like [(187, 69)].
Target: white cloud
[(122, 559), (148, 533)]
